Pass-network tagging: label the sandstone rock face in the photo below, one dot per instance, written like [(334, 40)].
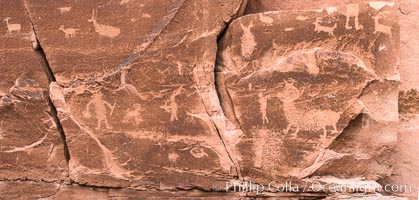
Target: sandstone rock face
[(181, 99), (258, 6), (135, 93), (405, 169), (30, 144), (293, 81)]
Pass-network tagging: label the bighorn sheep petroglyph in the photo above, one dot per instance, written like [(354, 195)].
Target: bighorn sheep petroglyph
[(305, 119)]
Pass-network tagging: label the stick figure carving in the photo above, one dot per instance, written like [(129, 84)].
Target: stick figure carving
[(263, 101), (173, 107), (12, 27), (104, 30), (99, 105), (305, 119)]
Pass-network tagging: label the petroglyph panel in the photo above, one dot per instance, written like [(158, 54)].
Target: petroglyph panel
[(136, 102), (300, 87), (30, 145), (259, 6)]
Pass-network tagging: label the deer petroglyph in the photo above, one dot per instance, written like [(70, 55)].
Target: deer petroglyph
[(104, 30), (319, 28), (12, 27)]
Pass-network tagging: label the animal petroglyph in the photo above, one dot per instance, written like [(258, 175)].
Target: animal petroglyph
[(99, 105), (124, 2), (68, 32), (12, 27), (352, 10), (134, 115), (64, 9), (263, 101), (331, 10), (104, 30), (173, 157), (378, 5), (319, 28), (198, 152), (173, 107), (301, 18), (380, 27), (305, 119)]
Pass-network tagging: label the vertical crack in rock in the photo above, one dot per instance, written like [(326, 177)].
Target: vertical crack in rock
[(239, 12), (51, 78), (224, 127)]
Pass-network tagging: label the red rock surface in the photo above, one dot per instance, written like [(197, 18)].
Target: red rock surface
[(30, 144), (181, 99), (293, 81)]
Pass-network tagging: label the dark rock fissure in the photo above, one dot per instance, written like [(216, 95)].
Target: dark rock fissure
[(51, 78), (240, 12)]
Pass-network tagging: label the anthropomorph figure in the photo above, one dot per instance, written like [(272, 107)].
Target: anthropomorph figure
[(99, 105), (263, 101), (173, 107)]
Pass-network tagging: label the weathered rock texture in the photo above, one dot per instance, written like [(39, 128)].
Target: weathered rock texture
[(127, 99), (30, 144), (258, 6), (135, 93), (295, 81), (405, 169)]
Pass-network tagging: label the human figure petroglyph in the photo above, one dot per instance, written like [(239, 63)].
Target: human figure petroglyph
[(134, 115), (12, 27), (352, 10), (99, 104), (179, 68), (319, 28), (68, 32), (248, 41), (305, 119), (104, 30), (173, 107), (381, 27), (263, 102)]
